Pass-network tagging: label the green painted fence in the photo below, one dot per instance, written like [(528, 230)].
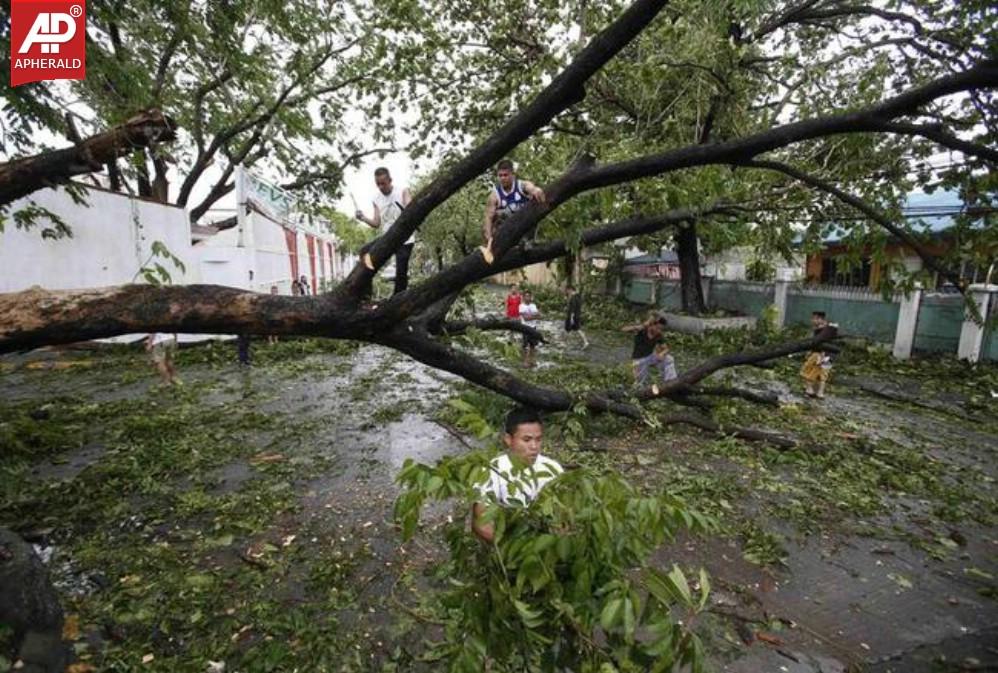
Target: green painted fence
[(857, 311), (940, 319), (990, 349), (745, 298), (670, 295), (639, 290)]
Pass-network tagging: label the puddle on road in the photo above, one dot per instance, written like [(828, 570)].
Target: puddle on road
[(68, 465)]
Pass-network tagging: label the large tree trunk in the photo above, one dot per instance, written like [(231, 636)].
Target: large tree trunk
[(160, 183), (23, 176), (689, 268), (142, 181)]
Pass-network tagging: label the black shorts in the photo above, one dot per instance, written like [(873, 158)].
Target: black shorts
[(572, 325), (530, 341)]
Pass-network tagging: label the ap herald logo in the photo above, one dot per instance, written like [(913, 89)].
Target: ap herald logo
[(48, 40)]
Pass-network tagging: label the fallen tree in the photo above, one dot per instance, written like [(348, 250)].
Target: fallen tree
[(413, 321)]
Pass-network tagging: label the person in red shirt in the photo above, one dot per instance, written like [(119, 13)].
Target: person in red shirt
[(513, 303)]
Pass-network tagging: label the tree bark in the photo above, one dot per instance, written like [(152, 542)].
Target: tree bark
[(454, 327), (420, 346), (114, 176), (688, 250), (143, 183), (160, 183), (21, 177), (38, 317)]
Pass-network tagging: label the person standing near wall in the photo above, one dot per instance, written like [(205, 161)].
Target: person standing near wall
[(573, 320), (513, 300), (162, 348), (528, 314), (389, 202), (272, 338), (243, 346)]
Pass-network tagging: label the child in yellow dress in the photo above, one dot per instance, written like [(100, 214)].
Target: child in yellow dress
[(817, 366)]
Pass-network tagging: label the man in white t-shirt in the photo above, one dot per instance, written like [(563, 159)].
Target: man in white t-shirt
[(516, 477), (389, 203), (528, 314)]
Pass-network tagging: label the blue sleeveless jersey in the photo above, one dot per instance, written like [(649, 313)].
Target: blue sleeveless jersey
[(510, 202)]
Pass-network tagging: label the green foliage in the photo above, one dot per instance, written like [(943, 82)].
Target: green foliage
[(33, 215), (556, 589), (246, 81), (155, 273), (498, 347), (760, 270), (477, 412), (454, 229), (287, 355), (352, 235), (766, 324)]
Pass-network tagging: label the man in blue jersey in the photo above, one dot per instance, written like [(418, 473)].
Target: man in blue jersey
[(508, 195)]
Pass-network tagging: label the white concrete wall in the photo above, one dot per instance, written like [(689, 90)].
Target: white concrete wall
[(225, 265), (112, 239), (224, 262), (273, 264)]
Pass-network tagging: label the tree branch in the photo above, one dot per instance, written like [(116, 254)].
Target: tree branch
[(248, 122), (936, 134), (454, 327), (563, 91), (583, 177), (307, 179), (420, 347), (218, 190), (768, 399), (164, 63), (202, 91), (23, 176), (710, 425), (473, 267)]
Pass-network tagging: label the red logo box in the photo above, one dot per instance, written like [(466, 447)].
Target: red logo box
[(48, 40)]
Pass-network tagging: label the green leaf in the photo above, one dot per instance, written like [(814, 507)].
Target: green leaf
[(628, 614), (704, 588), (544, 542), (612, 613), (221, 541)]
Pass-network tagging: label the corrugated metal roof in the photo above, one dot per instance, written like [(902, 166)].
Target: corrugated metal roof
[(666, 257)]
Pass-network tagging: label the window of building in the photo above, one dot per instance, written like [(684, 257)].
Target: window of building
[(836, 271)]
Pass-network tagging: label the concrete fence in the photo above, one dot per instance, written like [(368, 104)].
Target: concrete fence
[(927, 322)]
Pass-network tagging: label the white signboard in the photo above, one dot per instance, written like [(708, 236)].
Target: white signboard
[(270, 199)]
